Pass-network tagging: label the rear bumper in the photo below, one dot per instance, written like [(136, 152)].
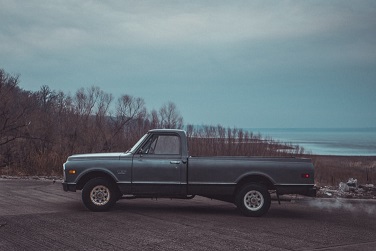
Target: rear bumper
[(312, 192), (306, 190), (69, 187)]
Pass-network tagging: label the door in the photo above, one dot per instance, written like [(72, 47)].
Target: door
[(158, 165)]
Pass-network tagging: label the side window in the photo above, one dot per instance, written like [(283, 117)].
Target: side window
[(162, 144), (167, 144)]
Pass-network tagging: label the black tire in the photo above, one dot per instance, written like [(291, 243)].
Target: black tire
[(99, 194), (253, 200)]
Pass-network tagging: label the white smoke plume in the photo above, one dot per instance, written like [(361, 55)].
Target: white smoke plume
[(358, 206)]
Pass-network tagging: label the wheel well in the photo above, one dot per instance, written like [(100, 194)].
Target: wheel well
[(259, 179), (95, 174)]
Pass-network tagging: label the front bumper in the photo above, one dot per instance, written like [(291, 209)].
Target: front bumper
[(69, 187)]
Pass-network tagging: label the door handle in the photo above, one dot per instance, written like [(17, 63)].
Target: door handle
[(174, 162)]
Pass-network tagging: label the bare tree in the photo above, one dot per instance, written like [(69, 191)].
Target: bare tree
[(85, 100), (128, 110), (92, 106), (102, 114), (14, 108), (38, 130), (154, 119), (170, 116)]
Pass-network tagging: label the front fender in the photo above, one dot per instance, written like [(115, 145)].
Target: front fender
[(97, 170)]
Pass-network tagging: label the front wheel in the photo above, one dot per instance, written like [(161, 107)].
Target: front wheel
[(253, 200), (99, 194)]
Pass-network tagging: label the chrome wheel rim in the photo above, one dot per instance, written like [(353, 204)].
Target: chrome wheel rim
[(253, 200), (100, 195)]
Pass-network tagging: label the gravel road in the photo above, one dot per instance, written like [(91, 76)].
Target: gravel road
[(38, 215)]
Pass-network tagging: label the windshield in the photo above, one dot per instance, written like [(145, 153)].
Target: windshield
[(137, 144)]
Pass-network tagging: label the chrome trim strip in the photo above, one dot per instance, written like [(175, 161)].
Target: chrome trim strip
[(70, 183), (211, 183), (158, 182), (294, 184), (199, 183), (150, 182)]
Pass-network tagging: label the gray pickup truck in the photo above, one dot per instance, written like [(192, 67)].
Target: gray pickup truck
[(159, 166)]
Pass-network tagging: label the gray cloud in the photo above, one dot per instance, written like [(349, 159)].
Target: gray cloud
[(203, 47), (71, 23)]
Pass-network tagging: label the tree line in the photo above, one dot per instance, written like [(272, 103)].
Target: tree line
[(39, 130)]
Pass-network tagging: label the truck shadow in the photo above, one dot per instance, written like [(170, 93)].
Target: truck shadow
[(201, 207), (147, 206)]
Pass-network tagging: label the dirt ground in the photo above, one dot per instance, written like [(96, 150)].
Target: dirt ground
[(39, 215)]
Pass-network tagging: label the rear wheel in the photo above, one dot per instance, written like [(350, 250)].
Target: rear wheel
[(99, 194), (253, 200)]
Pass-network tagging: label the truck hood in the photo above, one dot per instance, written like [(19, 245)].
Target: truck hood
[(97, 156)]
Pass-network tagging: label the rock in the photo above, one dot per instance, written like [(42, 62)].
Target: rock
[(352, 182), (343, 187)]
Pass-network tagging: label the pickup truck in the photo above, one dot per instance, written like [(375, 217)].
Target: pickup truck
[(159, 166)]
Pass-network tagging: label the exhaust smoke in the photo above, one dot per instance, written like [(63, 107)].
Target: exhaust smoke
[(354, 206)]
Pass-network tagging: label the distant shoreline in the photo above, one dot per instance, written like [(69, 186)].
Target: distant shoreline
[(326, 141)]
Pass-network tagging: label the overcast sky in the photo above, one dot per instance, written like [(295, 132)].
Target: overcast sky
[(246, 64)]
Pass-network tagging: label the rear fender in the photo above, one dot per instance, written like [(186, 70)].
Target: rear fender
[(255, 177)]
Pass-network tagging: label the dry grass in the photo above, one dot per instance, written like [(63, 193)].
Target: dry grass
[(331, 170)]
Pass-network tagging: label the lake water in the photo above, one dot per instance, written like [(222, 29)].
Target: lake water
[(333, 141)]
